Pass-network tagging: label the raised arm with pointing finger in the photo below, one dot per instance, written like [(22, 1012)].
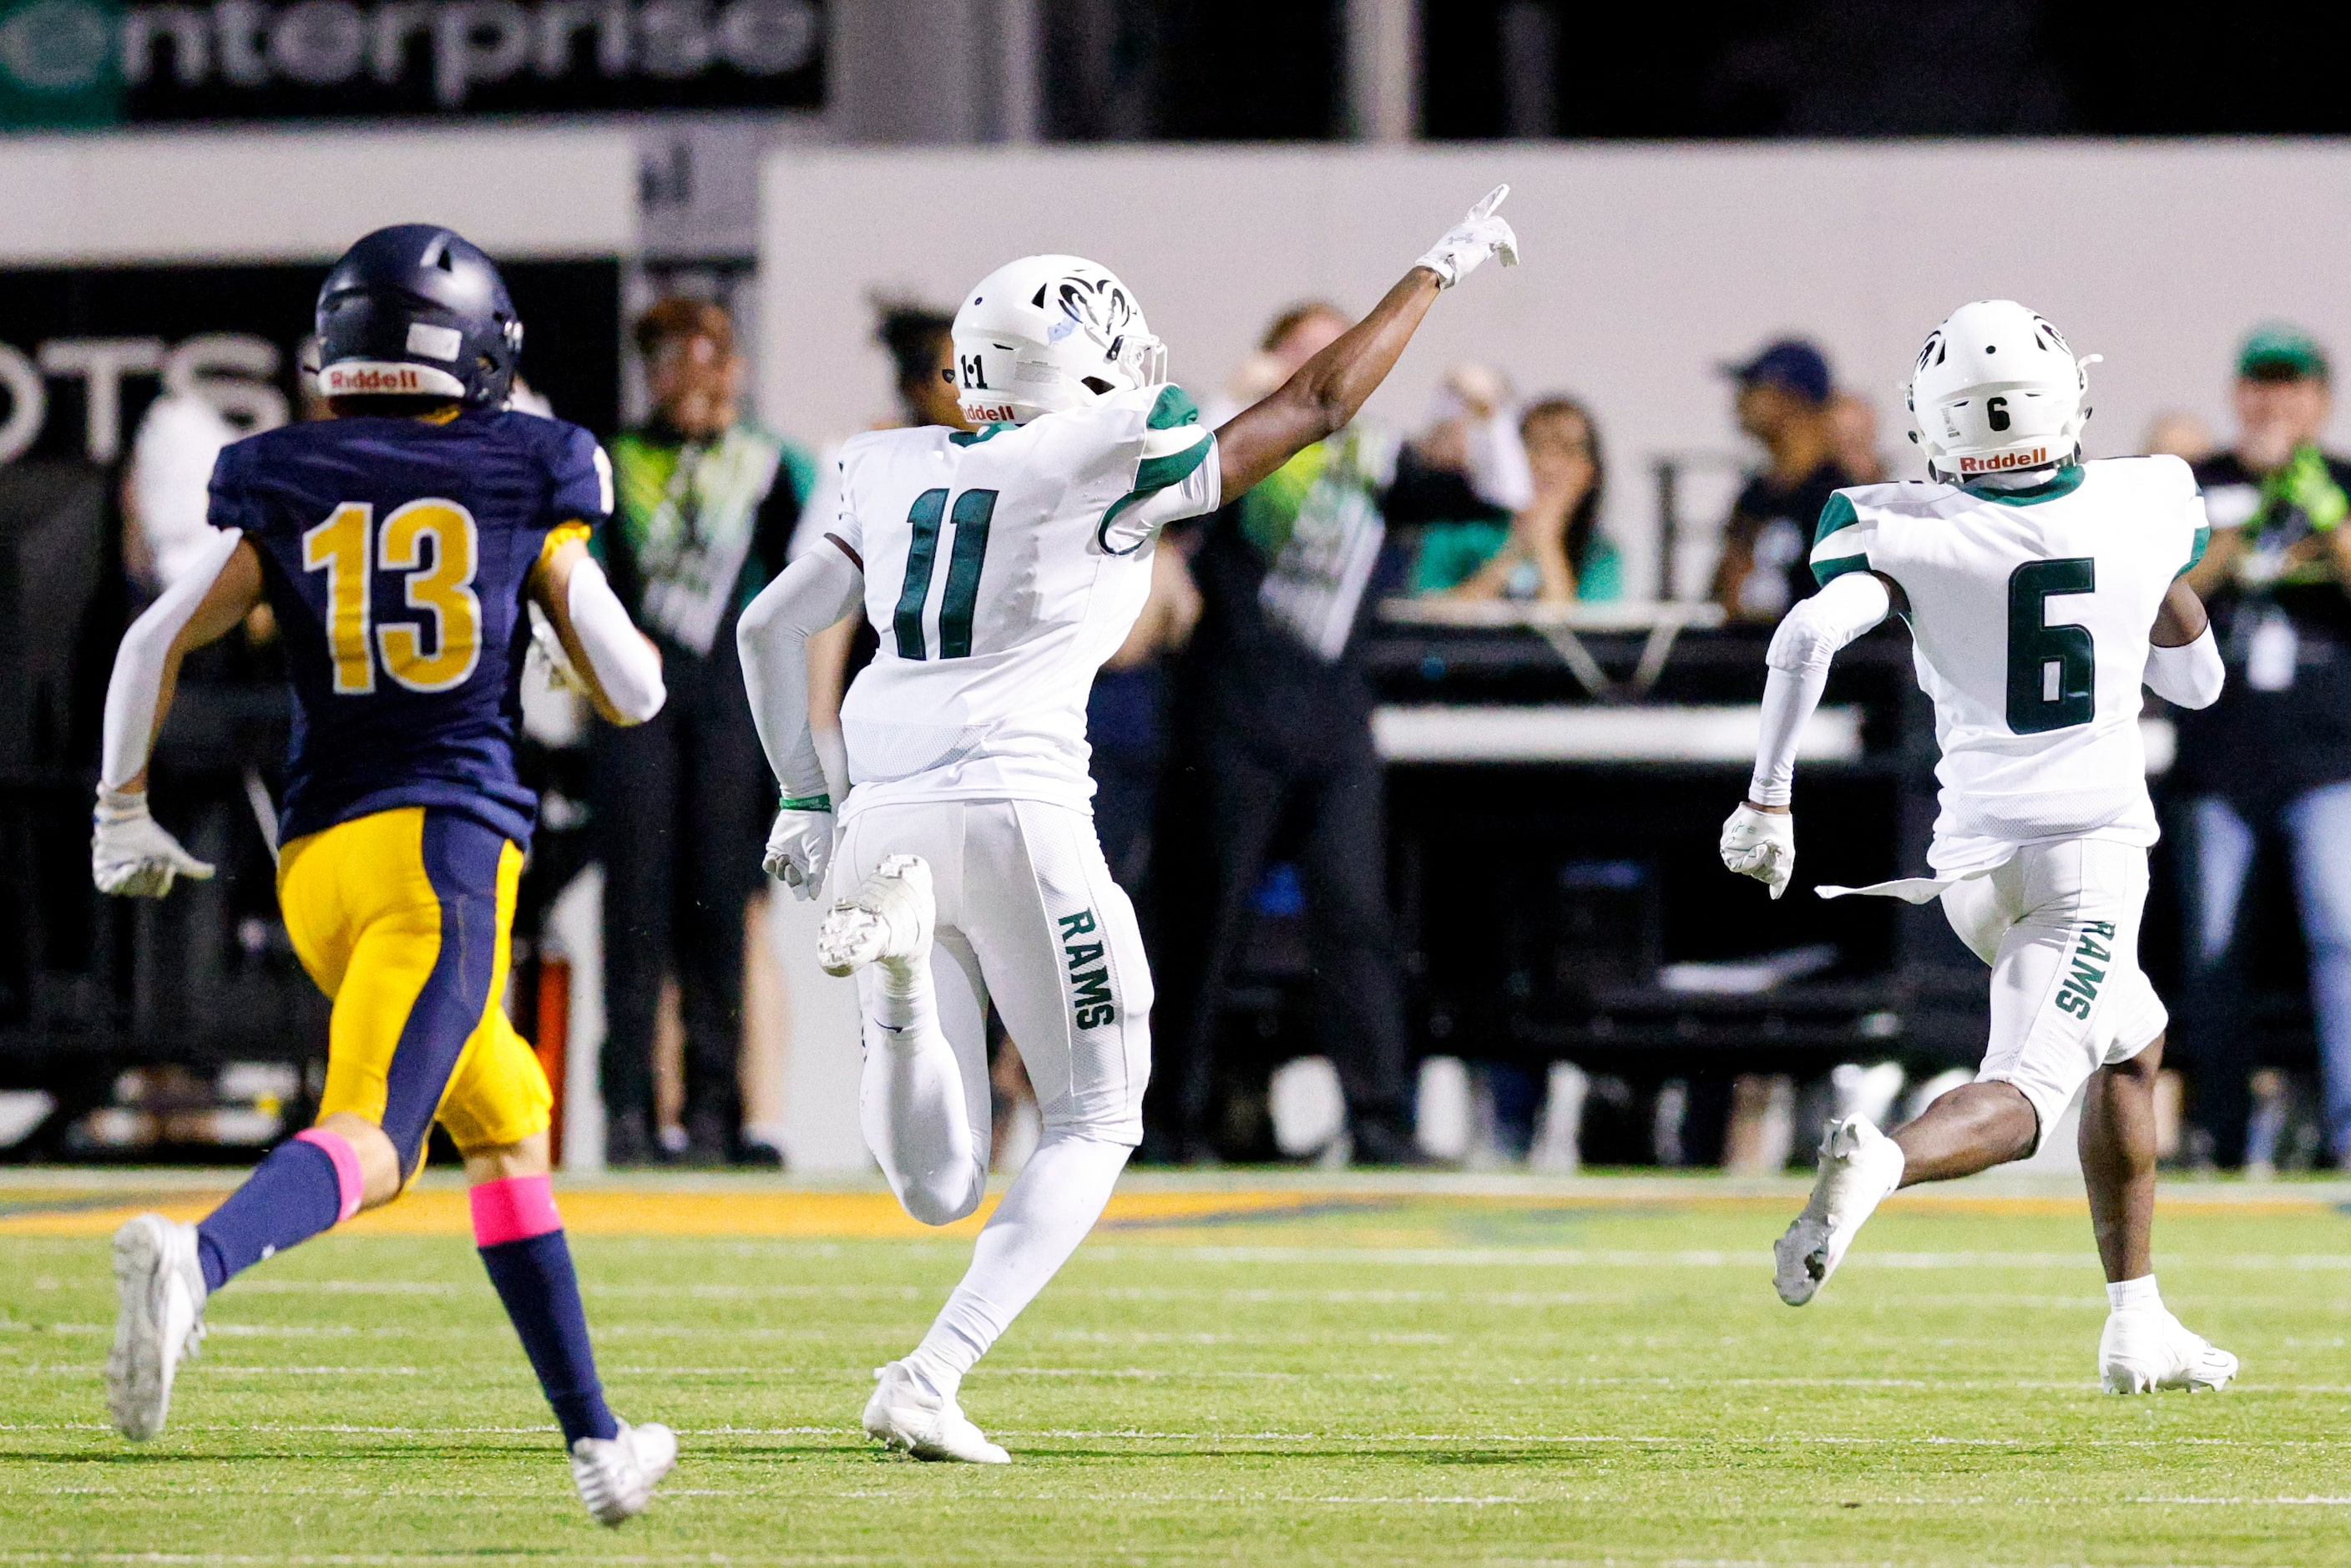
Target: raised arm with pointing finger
[(1325, 394), (1321, 398)]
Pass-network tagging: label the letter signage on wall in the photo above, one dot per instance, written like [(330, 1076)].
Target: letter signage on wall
[(84, 350), (68, 62)]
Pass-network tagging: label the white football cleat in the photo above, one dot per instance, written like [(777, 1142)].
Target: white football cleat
[(890, 917), (903, 1414), (2147, 1348), (616, 1475), (161, 1287), (1859, 1168)]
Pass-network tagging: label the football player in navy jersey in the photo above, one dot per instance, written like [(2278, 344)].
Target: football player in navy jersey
[(400, 545)]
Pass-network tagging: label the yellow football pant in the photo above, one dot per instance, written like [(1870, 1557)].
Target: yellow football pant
[(402, 918)]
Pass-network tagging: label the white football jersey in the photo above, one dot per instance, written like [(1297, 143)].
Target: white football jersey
[(1001, 569), (2029, 612)]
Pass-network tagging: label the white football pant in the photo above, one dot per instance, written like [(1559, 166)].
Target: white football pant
[(1030, 919), (2059, 926)]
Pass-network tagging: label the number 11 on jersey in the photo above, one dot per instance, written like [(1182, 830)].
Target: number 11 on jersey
[(974, 510)]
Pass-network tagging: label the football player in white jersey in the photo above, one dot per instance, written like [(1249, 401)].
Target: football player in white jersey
[(2041, 591), (1000, 568)]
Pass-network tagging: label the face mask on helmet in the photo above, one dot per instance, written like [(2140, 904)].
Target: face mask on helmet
[(1047, 334), (1997, 390)]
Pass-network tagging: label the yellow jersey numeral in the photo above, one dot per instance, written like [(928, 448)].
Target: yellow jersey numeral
[(444, 592), (339, 547)]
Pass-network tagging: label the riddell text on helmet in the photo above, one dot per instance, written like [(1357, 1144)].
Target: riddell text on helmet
[(2037, 458), (991, 414), (341, 378)]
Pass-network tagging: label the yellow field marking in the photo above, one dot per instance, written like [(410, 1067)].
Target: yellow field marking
[(622, 1211), (437, 1209)]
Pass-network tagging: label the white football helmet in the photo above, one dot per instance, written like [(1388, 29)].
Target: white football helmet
[(1050, 333), (1997, 389)]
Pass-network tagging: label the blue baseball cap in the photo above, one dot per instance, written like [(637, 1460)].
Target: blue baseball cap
[(1790, 364)]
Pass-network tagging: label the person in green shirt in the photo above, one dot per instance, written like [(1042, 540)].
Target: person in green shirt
[(706, 502), (1552, 551)]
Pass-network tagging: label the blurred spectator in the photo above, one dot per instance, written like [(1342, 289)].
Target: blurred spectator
[(2272, 757), (1853, 423), (1127, 717), (165, 493), (922, 359), (1551, 549), (2175, 433), (707, 502), (1272, 730), (1784, 403)]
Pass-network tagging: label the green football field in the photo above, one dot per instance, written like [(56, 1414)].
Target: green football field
[(1277, 1370)]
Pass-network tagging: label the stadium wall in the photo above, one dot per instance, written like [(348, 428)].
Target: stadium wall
[(306, 195), (1647, 265)]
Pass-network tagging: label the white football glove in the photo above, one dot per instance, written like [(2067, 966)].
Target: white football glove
[(547, 645), (1467, 244), (1760, 844), (799, 847), (130, 856)]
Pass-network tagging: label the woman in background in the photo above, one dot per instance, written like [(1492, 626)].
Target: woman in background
[(1551, 549)]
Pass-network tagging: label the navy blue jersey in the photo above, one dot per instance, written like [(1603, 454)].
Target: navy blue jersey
[(396, 553)]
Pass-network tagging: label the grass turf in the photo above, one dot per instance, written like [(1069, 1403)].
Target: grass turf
[(1598, 1375)]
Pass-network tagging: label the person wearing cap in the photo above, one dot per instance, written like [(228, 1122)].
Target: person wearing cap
[(707, 505), (1787, 401), (2272, 757)]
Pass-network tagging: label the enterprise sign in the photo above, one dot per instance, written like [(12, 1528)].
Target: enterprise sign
[(89, 61)]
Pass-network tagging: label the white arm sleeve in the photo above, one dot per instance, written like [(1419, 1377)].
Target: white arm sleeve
[(1801, 650), (814, 592), (623, 665), (2191, 675), (137, 684)]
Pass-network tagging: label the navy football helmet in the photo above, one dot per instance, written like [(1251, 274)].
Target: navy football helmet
[(417, 310)]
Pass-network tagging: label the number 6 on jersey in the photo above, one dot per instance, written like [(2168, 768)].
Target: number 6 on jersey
[(2052, 670)]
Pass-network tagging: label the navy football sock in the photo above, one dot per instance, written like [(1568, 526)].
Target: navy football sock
[(521, 1242), (307, 1185)]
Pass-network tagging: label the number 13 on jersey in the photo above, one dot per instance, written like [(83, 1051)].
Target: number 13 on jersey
[(351, 551)]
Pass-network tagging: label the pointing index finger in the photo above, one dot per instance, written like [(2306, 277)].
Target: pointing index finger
[(1493, 199)]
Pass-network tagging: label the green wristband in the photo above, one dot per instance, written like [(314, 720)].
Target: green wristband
[(805, 803)]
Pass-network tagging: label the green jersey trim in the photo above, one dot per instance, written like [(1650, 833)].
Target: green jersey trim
[(985, 433), (1837, 514), (2196, 550), (2068, 480), (1836, 517), (1173, 410)]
